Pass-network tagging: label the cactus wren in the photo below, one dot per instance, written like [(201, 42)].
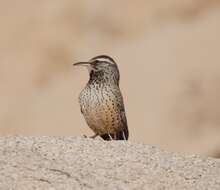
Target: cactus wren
[(101, 100)]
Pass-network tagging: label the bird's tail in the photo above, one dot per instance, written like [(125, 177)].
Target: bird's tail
[(120, 135)]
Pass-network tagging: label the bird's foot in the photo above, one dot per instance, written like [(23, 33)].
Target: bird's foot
[(110, 137), (92, 137)]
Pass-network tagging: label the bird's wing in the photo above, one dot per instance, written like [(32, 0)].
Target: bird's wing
[(122, 114), (124, 123)]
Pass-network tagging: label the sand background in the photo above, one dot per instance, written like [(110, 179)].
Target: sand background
[(68, 163), (167, 52)]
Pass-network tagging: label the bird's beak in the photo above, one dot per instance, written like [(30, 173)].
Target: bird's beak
[(82, 63)]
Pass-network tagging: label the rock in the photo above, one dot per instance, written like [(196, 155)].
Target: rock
[(67, 163)]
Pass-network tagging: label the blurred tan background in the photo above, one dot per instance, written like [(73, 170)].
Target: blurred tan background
[(167, 52)]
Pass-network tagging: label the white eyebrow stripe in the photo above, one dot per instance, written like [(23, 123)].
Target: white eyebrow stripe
[(105, 60)]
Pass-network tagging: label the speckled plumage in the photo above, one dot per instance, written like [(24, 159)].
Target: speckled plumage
[(101, 100)]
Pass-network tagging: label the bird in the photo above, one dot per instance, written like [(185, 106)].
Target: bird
[(101, 100)]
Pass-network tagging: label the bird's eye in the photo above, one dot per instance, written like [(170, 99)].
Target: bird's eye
[(95, 65), (96, 61)]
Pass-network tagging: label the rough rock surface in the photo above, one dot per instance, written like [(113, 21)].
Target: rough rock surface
[(78, 163)]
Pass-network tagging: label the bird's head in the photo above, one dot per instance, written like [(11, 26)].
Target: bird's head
[(101, 68)]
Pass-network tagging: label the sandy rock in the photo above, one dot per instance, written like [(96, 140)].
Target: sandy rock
[(66, 163)]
